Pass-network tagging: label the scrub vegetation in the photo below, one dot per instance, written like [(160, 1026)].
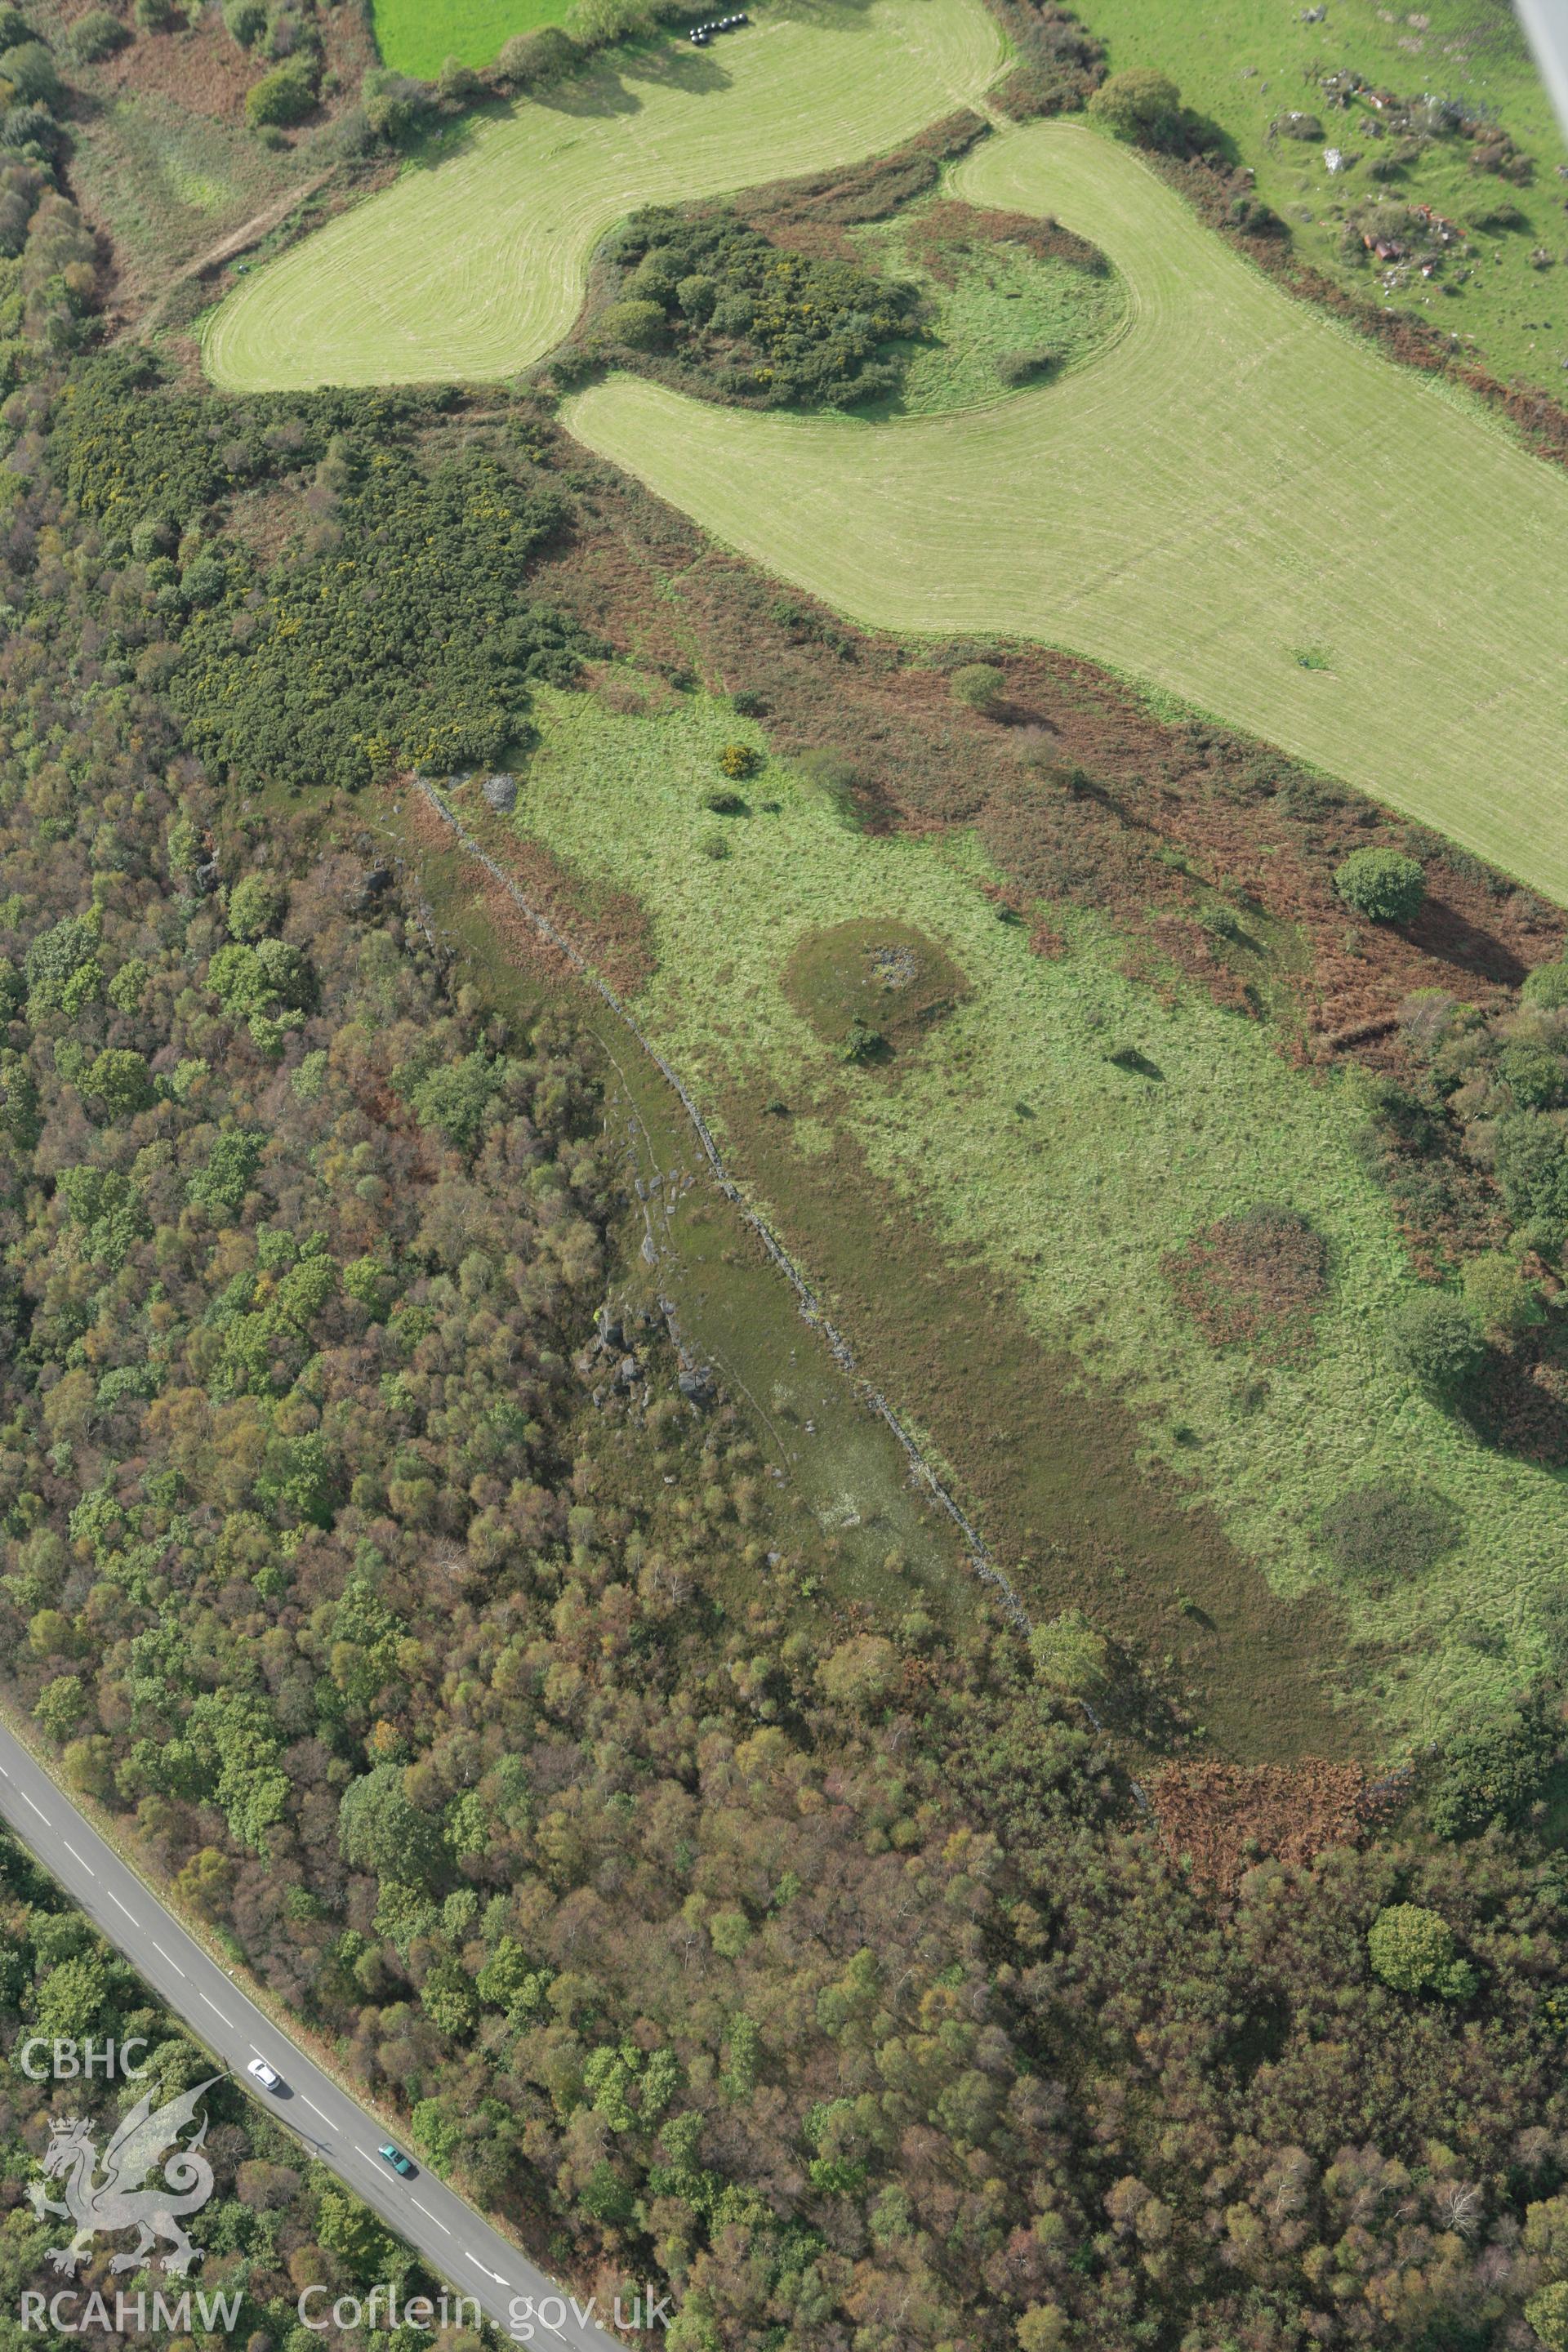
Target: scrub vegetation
[(168, 152)]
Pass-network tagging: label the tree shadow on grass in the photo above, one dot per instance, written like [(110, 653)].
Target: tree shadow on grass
[(1515, 1413), (606, 90), (1137, 1063), (438, 147), (1442, 932), (604, 87)]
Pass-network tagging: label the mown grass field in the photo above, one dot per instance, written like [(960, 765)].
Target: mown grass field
[(418, 37), (1006, 1125), (1246, 63), (1235, 482), (472, 265)]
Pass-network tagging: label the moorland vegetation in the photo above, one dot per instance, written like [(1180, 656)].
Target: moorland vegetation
[(1303, 605), (1083, 1130)]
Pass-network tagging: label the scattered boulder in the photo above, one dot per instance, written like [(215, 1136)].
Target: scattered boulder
[(501, 794)]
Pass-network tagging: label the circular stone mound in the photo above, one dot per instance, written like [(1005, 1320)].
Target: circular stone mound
[(871, 987)]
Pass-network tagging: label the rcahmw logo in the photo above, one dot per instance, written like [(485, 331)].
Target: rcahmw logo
[(120, 2197)]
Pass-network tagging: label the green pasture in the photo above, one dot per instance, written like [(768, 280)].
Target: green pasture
[(1002, 301), (418, 37), (472, 264), (1246, 63), (1234, 482), (1076, 1203)]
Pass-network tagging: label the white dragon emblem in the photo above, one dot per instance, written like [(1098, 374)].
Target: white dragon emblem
[(117, 2202)]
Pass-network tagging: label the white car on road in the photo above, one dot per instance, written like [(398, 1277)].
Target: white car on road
[(268, 2076)]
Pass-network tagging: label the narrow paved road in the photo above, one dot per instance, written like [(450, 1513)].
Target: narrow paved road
[(456, 2243)]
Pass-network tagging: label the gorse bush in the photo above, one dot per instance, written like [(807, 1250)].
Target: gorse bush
[(281, 98), (1503, 1301), (1493, 1774), (408, 640), (755, 321), (637, 324), (1141, 105), (535, 61), (1546, 986), (1437, 1341), (95, 36), (1017, 368), (31, 72), (402, 631), (245, 20), (1382, 884), (979, 685)]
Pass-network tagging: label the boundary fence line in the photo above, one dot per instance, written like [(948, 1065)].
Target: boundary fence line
[(981, 1558)]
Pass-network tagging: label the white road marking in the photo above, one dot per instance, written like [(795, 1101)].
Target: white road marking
[(217, 2011), (38, 1809), (162, 1955), (309, 2102), (75, 1857), (436, 2218), (479, 2266), (121, 1906)]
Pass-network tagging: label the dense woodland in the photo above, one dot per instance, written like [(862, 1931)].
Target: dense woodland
[(827, 1969)]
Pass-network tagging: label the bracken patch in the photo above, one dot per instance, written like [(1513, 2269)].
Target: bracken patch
[(1256, 1280), (1223, 1818)]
